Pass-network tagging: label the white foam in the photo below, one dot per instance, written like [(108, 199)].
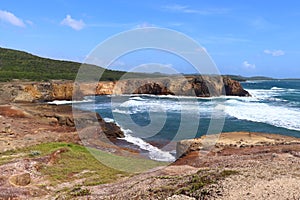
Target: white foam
[(131, 103), (61, 102), (278, 88), (274, 91), (106, 119), (125, 112), (158, 105), (137, 98), (279, 116), (262, 94), (256, 81), (154, 152)]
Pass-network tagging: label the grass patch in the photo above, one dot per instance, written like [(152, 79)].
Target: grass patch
[(8, 156), (128, 164), (78, 192), (77, 162), (226, 173), (196, 184)]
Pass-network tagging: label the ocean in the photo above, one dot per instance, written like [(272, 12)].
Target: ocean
[(148, 120)]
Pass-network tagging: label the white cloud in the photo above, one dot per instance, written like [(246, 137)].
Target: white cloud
[(11, 18), (112, 25), (187, 9), (224, 40), (29, 22), (155, 67), (145, 25), (176, 24), (74, 24), (262, 24), (179, 8), (247, 65), (274, 52)]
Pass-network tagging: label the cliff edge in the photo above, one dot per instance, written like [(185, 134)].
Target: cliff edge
[(200, 86)]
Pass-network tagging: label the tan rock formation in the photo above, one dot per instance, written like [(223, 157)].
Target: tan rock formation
[(200, 86), (232, 139)]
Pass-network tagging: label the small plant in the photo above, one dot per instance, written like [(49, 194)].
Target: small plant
[(226, 173), (168, 177), (78, 192), (34, 153)]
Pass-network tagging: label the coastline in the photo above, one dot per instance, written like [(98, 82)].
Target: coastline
[(264, 165)]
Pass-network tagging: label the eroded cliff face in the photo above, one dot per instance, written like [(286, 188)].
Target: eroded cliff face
[(234, 88), (200, 86)]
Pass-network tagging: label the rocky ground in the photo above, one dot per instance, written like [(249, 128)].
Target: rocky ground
[(268, 170), (240, 166)]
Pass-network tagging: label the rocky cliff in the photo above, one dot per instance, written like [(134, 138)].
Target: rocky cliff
[(200, 86)]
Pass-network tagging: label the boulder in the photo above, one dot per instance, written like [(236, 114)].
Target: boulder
[(20, 179)]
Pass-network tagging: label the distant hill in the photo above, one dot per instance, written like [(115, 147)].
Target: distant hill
[(21, 65), (252, 78), (241, 78)]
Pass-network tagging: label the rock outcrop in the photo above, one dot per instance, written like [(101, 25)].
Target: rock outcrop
[(20, 179), (232, 139), (234, 88), (200, 86), (65, 116)]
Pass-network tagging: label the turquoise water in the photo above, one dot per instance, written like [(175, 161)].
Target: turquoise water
[(273, 108)]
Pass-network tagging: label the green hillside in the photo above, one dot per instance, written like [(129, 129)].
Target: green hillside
[(20, 65), (252, 78), (16, 64)]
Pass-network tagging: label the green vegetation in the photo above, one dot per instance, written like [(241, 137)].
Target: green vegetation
[(24, 66), (127, 164), (20, 65), (195, 185), (253, 78), (76, 162), (78, 191), (34, 153)]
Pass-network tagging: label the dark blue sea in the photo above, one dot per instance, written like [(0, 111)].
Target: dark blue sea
[(273, 108)]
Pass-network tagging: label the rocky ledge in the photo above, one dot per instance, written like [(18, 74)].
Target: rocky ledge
[(24, 125), (200, 86), (233, 140)]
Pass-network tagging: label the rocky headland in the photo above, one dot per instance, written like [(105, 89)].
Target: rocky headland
[(200, 86)]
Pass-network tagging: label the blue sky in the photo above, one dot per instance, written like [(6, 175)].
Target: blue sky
[(242, 37)]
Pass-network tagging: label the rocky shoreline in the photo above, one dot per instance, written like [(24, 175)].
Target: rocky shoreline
[(241, 165)]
